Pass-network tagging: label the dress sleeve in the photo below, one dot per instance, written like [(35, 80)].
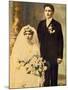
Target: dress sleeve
[(36, 50)]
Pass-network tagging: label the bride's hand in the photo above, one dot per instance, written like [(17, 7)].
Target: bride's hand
[(45, 68)]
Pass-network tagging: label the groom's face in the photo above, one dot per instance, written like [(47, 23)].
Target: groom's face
[(48, 12)]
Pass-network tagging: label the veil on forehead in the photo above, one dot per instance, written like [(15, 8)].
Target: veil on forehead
[(22, 37), (21, 41)]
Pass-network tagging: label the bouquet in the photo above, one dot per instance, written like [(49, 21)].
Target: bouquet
[(35, 65)]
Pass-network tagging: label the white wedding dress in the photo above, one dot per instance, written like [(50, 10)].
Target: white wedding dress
[(23, 51)]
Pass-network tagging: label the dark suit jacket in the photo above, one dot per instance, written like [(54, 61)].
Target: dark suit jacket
[(51, 45)]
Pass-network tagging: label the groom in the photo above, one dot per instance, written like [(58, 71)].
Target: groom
[(51, 44)]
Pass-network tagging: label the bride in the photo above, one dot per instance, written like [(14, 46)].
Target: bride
[(26, 65)]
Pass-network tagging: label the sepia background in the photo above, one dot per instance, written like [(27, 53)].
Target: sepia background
[(23, 13)]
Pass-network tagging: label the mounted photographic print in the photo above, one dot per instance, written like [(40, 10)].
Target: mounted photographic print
[(37, 38)]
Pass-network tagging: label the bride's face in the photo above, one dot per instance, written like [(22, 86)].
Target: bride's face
[(28, 36)]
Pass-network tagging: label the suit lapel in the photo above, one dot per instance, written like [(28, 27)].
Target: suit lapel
[(50, 22), (50, 28)]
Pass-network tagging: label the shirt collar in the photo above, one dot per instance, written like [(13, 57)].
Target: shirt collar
[(48, 21)]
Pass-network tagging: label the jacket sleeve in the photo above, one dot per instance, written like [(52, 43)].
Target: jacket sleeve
[(41, 40), (38, 32), (60, 42)]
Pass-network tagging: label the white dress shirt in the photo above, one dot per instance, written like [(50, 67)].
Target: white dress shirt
[(48, 21)]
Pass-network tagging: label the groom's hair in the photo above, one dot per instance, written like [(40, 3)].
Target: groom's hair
[(49, 5)]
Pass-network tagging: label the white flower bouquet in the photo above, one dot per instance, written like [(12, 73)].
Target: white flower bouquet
[(35, 65)]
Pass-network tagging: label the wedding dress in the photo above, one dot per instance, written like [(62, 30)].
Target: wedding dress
[(23, 61)]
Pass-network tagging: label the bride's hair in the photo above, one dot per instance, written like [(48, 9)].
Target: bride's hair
[(29, 30)]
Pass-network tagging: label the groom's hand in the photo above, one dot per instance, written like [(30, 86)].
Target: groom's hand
[(59, 60)]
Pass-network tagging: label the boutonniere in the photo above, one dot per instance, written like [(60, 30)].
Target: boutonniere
[(51, 30)]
